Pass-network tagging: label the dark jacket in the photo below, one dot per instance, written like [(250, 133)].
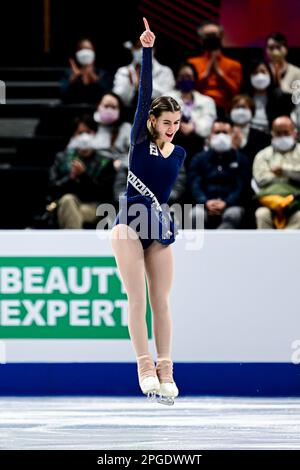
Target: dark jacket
[(226, 176), (279, 104), (78, 92), (94, 185), (257, 140)]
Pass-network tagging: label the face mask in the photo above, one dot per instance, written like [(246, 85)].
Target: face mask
[(85, 56), (137, 55), (283, 144), (260, 81), (106, 115), (220, 142), (82, 141), (185, 84), (211, 42), (240, 115)]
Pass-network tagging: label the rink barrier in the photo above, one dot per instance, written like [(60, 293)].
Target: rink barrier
[(120, 379), (234, 304)]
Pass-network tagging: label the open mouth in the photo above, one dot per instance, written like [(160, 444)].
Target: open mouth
[(169, 135)]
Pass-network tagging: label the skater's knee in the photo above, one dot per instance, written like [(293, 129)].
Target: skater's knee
[(137, 303), (159, 304)]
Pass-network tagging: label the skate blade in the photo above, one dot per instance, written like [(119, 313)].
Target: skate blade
[(169, 401), (151, 396)]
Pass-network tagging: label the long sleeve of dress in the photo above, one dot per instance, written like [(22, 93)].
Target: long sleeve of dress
[(139, 128)]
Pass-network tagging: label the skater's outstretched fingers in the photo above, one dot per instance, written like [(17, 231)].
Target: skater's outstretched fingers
[(147, 27), (147, 38)]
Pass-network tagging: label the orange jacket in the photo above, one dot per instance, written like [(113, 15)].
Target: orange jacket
[(222, 90)]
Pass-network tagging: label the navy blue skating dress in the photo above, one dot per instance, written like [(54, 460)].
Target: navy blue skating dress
[(145, 161)]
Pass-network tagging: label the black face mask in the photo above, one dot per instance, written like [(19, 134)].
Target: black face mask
[(211, 42)]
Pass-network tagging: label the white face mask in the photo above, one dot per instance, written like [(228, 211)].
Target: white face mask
[(240, 115), (82, 141), (221, 142), (283, 144), (260, 81), (137, 55), (85, 56)]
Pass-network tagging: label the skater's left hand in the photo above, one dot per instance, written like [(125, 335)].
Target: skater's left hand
[(147, 38)]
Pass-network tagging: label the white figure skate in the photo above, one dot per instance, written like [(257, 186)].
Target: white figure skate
[(168, 389), (148, 380)]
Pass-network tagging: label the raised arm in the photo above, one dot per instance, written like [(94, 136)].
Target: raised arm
[(139, 128)]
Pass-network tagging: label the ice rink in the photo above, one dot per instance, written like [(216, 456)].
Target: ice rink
[(134, 423)]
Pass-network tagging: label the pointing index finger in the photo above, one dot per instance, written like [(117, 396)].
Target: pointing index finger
[(146, 24)]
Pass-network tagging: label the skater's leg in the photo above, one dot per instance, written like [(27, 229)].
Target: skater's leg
[(159, 270), (147, 376), (129, 256), (130, 261)]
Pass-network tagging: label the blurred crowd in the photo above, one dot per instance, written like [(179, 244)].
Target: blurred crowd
[(239, 128)]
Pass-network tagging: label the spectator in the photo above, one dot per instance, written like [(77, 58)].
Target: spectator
[(218, 76), (283, 73), (79, 178), (126, 80), (269, 101), (83, 83), (219, 179), (246, 138), (276, 171), (113, 134), (198, 112)]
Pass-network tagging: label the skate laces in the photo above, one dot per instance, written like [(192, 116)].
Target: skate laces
[(164, 369), (146, 367)]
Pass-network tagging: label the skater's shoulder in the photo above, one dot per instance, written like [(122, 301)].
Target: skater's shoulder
[(180, 151)]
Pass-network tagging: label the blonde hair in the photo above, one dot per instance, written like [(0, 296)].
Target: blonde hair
[(158, 106)]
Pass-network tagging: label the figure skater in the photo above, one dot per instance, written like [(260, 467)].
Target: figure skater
[(156, 162)]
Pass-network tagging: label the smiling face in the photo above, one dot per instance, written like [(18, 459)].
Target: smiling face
[(166, 125)]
